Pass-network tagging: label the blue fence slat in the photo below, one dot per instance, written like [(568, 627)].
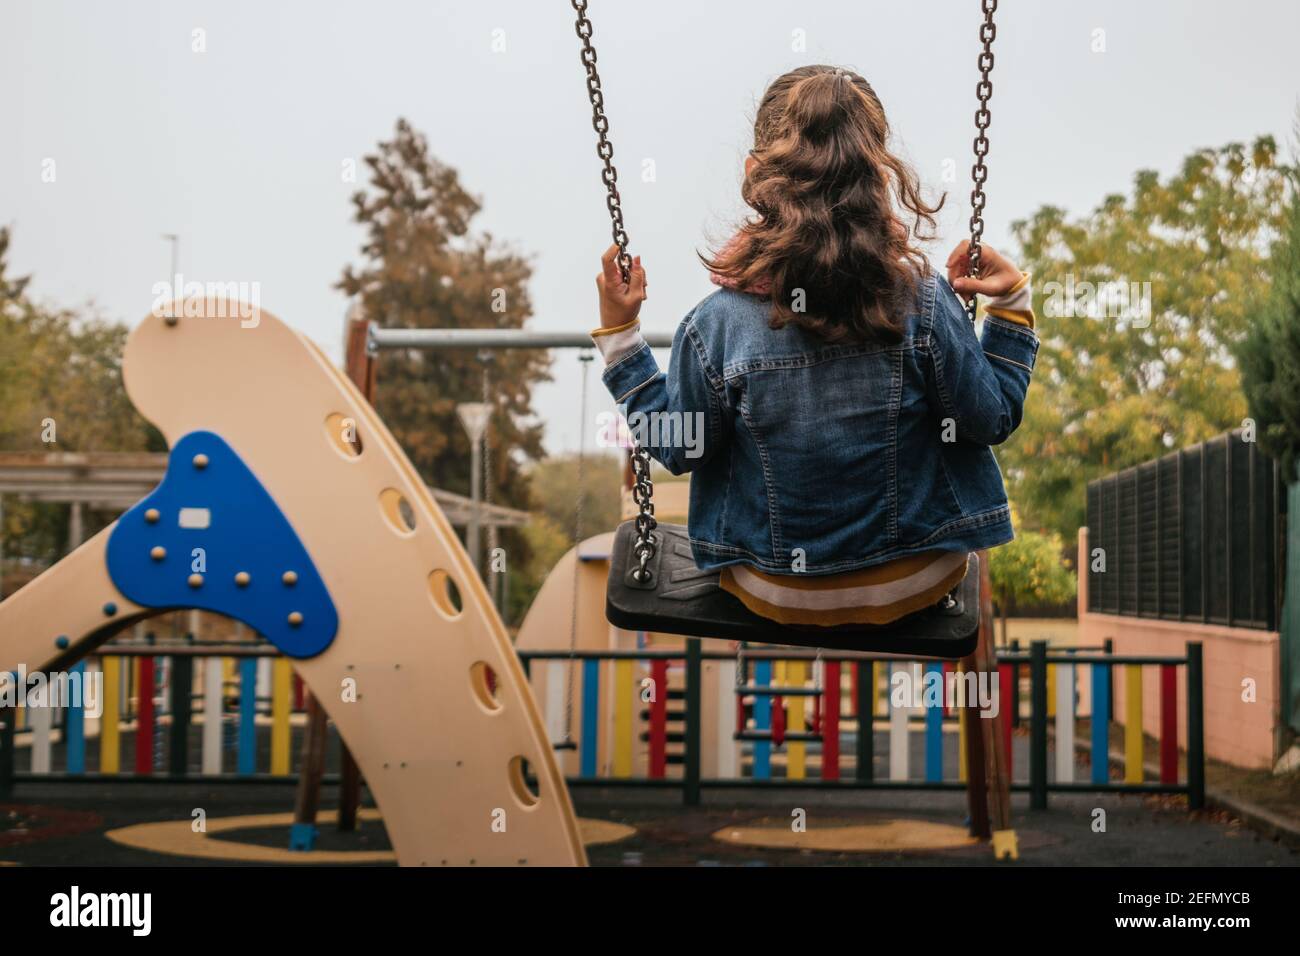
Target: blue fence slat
[(246, 758), (1100, 723), (74, 730), (590, 716), (762, 721), (933, 726)]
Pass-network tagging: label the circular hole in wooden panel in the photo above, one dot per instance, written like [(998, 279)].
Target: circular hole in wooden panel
[(484, 682), (343, 435), (525, 790), (397, 510), (445, 594)]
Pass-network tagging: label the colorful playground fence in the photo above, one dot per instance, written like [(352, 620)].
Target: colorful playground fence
[(793, 726), (154, 699), (653, 718)]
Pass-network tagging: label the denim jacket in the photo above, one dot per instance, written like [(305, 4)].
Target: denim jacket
[(823, 458)]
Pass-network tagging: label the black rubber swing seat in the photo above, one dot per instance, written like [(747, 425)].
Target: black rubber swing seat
[(679, 598)]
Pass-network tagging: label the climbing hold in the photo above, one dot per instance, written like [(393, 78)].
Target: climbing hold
[(295, 619), (158, 552), (61, 642), (110, 609), (152, 516), (200, 461), (245, 533), (196, 580)]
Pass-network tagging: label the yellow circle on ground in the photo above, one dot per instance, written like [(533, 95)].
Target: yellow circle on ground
[(177, 838), (600, 832), (884, 837)]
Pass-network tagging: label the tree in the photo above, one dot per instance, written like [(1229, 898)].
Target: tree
[(556, 491), (424, 269), (1270, 354), (1029, 571), (1141, 303), (60, 390)]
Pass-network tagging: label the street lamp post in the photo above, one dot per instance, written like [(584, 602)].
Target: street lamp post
[(474, 416)]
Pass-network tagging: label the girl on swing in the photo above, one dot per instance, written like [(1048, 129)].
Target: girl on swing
[(846, 404)]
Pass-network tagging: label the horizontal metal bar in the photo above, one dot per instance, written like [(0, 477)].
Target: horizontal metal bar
[(1079, 659), (772, 690), (377, 338), (797, 654), (185, 650), (814, 783), (162, 777), (731, 783), (615, 655), (667, 783)]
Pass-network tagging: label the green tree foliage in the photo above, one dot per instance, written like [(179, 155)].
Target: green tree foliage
[(556, 491), (546, 543), (1270, 354), (1116, 386), (60, 377), (1028, 572), (424, 268), (59, 366)]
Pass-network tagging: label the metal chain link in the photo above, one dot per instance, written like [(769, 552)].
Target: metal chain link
[(604, 148), (983, 117), (642, 488), (643, 494)]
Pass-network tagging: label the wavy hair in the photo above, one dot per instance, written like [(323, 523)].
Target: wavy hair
[(828, 243)]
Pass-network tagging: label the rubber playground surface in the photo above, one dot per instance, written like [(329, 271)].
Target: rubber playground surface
[(61, 824)]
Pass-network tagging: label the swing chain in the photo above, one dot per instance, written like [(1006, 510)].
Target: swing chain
[(642, 488), (604, 148), (983, 117), (642, 494)]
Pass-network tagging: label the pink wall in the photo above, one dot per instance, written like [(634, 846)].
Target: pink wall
[(1236, 731)]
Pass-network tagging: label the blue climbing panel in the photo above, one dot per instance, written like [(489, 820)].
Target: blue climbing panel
[(211, 537)]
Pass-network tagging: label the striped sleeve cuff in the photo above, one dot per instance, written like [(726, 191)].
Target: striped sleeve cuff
[(619, 342), (1016, 305)]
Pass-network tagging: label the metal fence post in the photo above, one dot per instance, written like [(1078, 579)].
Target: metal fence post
[(1195, 727), (182, 686), (691, 761), (1038, 725), (864, 706)]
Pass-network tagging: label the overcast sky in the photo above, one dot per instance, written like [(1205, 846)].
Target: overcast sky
[(239, 148)]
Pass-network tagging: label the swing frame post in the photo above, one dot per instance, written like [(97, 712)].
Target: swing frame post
[(362, 369), (182, 713), (988, 783)]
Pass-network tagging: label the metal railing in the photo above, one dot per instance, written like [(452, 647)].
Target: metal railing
[(776, 718)]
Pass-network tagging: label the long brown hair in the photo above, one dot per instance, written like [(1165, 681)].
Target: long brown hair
[(828, 243)]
